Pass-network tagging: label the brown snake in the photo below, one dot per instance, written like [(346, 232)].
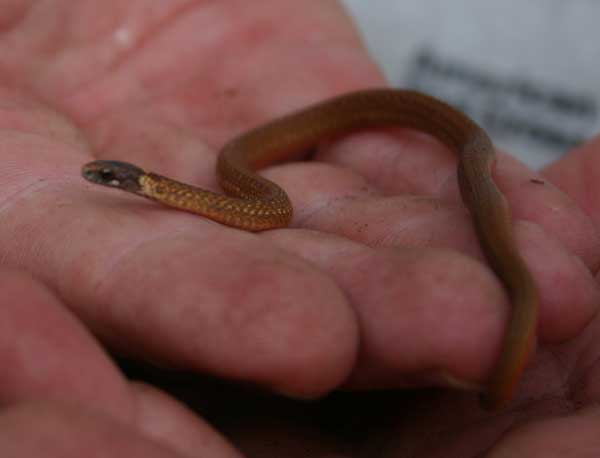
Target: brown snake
[(254, 203)]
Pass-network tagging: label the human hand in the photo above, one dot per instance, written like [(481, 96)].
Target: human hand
[(63, 397), (375, 286)]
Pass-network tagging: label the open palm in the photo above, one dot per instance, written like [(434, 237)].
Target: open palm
[(378, 284)]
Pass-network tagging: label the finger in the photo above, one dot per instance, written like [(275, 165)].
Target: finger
[(538, 200), (166, 420), (46, 429), (190, 293), (580, 360), (424, 313), (222, 301), (48, 356), (572, 435), (576, 173), (428, 314)]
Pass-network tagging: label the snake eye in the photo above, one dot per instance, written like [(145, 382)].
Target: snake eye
[(109, 177), (106, 175)]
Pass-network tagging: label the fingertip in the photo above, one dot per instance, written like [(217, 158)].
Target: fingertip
[(68, 430), (170, 422), (314, 341)]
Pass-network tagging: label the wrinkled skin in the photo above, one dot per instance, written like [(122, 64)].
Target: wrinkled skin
[(379, 284)]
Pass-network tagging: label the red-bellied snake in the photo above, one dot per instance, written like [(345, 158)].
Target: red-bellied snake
[(254, 203)]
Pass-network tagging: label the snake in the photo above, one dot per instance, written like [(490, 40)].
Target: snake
[(253, 203)]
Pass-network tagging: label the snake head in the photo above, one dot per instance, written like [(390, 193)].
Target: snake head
[(115, 174)]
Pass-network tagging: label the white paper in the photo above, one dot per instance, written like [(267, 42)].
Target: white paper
[(529, 72)]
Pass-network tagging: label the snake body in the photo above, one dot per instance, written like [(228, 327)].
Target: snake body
[(254, 203)]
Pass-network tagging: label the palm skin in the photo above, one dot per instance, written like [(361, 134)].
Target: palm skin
[(379, 284)]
